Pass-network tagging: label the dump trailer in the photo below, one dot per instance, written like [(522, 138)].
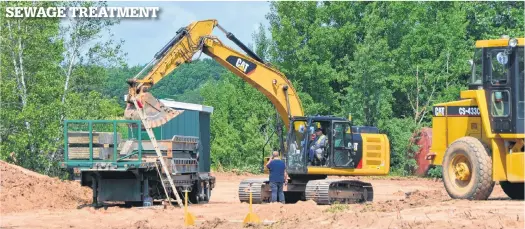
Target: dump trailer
[(121, 167), (478, 139)]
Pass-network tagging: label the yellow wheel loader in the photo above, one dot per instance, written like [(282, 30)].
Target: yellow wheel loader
[(478, 140)]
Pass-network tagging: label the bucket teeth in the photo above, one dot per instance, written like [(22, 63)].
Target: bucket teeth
[(155, 112)]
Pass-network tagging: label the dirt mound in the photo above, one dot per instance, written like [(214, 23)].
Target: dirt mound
[(305, 209), (214, 223), (22, 190), (412, 200), (416, 204), (142, 224), (236, 175)]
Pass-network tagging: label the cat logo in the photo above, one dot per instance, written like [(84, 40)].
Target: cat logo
[(354, 146), (243, 66), (439, 111)]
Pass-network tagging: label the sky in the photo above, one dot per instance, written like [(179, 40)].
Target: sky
[(145, 36)]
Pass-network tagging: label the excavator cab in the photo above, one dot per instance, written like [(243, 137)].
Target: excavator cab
[(309, 143), (343, 148)]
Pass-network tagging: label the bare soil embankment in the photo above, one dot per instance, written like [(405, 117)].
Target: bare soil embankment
[(31, 200), (23, 190)]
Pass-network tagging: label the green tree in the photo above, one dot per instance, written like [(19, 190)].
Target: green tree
[(29, 60), (42, 68), (491, 20), (387, 63), (240, 111), (116, 86), (262, 42), (188, 77)]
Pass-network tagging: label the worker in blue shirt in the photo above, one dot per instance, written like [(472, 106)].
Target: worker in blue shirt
[(278, 177)]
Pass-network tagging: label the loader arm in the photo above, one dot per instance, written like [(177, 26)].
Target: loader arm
[(197, 37)]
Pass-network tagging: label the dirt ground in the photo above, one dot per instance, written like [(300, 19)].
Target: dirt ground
[(30, 200)]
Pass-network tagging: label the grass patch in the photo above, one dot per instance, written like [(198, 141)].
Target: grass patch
[(436, 172), (336, 207), (245, 170)]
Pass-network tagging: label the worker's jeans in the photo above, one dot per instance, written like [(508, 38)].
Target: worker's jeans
[(277, 190)]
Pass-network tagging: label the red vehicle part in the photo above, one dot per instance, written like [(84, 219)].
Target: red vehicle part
[(424, 141)]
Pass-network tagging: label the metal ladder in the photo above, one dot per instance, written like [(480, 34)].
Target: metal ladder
[(165, 176)]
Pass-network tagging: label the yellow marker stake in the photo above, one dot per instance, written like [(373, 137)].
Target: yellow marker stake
[(189, 219), (251, 217)]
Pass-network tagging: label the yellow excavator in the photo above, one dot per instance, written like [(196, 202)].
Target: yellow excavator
[(350, 151), (478, 139)]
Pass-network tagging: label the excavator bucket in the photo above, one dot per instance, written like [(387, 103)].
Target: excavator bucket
[(155, 112)]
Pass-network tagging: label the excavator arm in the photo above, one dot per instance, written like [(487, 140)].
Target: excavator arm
[(181, 49)]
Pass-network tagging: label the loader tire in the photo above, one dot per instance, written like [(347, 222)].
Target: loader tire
[(467, 170), (513, 190)]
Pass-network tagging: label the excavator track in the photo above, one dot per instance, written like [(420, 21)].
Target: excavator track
[(326, 192), (258, 193)]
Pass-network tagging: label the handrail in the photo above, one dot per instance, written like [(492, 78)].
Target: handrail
[(90, 123)]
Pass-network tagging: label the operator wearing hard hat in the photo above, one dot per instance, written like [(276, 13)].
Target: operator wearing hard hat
[(318, 146)]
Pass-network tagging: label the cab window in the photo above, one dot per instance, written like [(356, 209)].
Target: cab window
[(298, 136), (342, 135), (500, 106), (499, 61), (296, 158), (477, 68)]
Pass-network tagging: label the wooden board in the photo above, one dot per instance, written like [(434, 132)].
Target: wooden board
[(82, 153), (82, 137)]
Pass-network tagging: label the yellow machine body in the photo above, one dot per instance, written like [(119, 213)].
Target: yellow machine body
[(479, 139), (375, 161), (447, 129)]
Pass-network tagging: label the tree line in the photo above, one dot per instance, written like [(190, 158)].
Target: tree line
[(386, 63), (51, 71)]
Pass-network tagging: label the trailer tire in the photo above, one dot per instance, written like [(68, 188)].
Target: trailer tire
[(195, 195), (467, 170)]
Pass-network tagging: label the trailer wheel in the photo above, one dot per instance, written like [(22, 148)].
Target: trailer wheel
[(194, 197), (199, 193), (467, 170), (513, 190)]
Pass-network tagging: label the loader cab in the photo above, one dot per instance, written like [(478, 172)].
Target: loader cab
[(340, 151), (498, 68)]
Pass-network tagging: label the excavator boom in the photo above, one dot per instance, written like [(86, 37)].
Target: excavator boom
[(181, 49)]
